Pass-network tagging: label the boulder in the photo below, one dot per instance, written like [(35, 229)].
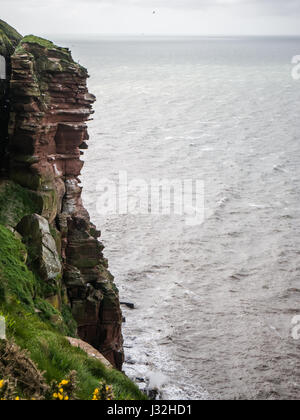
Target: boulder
[(41, 245)]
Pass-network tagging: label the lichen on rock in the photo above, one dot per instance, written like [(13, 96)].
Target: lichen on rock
[(36, 234)]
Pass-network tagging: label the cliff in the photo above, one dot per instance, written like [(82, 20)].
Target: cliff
[(45, 105), (9, 39)]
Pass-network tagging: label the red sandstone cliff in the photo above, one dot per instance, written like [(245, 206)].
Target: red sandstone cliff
[(50, 105)]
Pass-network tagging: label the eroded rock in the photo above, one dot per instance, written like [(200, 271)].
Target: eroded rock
[(50, 105), (42, 247)]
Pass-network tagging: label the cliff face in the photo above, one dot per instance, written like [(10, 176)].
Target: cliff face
[(49, 107), (9, 39)]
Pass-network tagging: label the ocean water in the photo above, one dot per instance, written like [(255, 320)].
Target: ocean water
[(214, 302)]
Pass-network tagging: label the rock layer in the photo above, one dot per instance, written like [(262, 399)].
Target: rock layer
[(9, 39), (50, 105)]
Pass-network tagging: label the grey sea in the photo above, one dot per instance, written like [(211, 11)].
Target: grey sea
[(215, 302)]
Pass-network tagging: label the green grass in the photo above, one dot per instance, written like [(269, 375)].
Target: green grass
[(16, 280), (33, 44), (10, 31), (35, 41), (16, 202), (9, 38), (43, 333), (39, 41)]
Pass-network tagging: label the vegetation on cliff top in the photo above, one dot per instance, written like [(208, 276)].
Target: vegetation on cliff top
[(35, 44), (45, 44), (11, 32), (9, 38), (42, 42)]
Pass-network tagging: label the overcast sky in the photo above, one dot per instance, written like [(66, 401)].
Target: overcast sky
[(191, 17)]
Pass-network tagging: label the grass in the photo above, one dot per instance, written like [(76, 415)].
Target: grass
[(16, 202), (43, 333), (36, 41), (31, 39), (42, 62), (16, 280), (10, 31)]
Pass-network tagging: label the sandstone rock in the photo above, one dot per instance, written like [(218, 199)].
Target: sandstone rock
[(91, 351), (73, 277), (50, 105)]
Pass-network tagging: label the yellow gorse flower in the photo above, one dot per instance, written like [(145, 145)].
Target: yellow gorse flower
[(104, 392), (64, 382), (1, 383), (62, 394)]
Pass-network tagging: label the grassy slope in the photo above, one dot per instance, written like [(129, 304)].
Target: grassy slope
[(9, 38), (16, 202), (10, 31), (43, 333)]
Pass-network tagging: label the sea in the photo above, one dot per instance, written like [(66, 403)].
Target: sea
[(216, 298)]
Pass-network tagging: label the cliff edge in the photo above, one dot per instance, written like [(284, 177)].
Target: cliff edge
[(45, 105)]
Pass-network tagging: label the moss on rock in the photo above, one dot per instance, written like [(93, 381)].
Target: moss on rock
[(9, 38), (54, 59), (16, 202)]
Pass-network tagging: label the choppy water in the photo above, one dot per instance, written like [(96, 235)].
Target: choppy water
[(214, 303)]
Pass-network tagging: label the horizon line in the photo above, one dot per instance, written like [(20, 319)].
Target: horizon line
[(140, 35)]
